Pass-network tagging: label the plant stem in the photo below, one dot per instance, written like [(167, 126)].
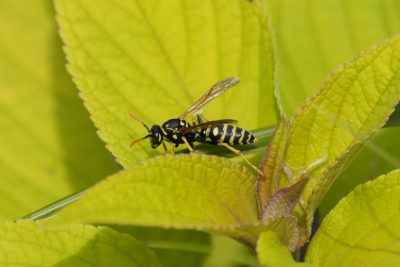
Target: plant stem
[(49, 210)]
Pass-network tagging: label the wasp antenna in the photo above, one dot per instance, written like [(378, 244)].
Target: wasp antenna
[(138, 140), (139, 120)]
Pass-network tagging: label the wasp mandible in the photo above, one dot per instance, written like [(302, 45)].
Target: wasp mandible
[(217, 132)]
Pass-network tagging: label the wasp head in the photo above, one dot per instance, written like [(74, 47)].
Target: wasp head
[(155, 135)]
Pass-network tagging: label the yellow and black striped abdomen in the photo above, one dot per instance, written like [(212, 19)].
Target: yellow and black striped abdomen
[(229, 134)]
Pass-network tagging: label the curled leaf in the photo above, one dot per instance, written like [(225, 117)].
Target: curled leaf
[(271, 165), (283, 202)]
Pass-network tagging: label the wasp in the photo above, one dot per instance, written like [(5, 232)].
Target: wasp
[(179, 131)]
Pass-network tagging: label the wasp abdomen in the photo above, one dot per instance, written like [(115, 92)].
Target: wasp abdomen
[(228, 134)]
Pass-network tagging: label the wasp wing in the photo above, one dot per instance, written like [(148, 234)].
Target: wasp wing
[(205, 125), (215, 91)]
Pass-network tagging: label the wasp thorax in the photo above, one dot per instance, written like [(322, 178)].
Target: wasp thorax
[(156, 136)]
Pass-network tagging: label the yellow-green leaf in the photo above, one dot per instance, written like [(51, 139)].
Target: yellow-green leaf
[(48, 145), (183, 191), (192, 191), (27, 243), (272, 253), (362, 230), (155, 58), (354, 102), (311, 45)]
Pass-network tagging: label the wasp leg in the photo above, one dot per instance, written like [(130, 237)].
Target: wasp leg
[(201, 118), (198, 120), (238, 152), (187, 143), (172, 150), (165, 147), (168, 150)]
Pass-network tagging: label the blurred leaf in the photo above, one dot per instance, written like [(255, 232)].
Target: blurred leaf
[(315, 36), (227, 252), (272, 253), (26, 243), (155, 58), (172, 247), (48, 145), (192, 248), (363, 229), (379, 155)]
